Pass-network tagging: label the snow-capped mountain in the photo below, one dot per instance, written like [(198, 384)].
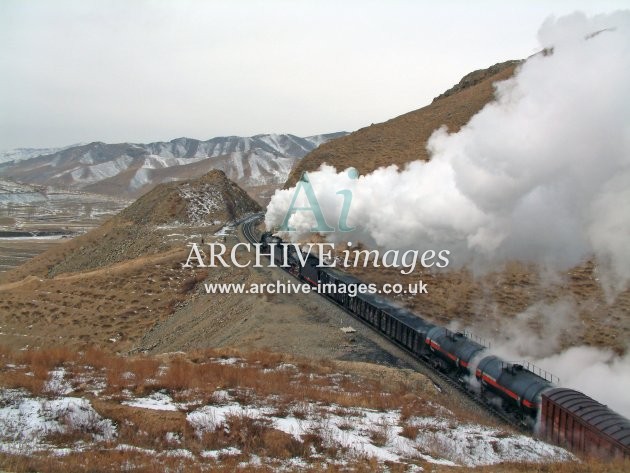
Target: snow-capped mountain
[(131, 169)]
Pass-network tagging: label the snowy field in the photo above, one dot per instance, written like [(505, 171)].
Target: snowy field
[(67, 417)]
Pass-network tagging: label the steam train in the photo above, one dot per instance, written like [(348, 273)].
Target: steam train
[(519, 389), (453, 353)]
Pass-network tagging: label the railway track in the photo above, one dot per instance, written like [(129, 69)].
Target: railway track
[(249, 232), (248, 226)]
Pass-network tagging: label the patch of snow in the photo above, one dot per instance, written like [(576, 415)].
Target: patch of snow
[(200, 202), (22, 154), (90, 174), (173, 437), (26, 422), (222, 452), (56, 384), (225, 231), (132, 448), (156, 401), (439, 441), (473, 445), (179, 452), (237, 163), (141, 178), (207, 418), (221, 396), (226, 361)]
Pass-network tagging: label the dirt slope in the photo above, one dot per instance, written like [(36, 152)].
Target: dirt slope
[(109, 286)]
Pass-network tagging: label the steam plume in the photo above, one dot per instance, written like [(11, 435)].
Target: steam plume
[(541, 174)]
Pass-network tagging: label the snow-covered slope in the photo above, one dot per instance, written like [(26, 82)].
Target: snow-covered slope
[(131, 169), (20, 154)]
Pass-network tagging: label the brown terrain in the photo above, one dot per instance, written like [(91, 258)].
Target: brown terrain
[(480, 304), (113, 283), (229, 410), (121, 289)]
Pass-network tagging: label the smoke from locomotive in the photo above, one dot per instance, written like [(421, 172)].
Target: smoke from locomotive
[(542, 174)]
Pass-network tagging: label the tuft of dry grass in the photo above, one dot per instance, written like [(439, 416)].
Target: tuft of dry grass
[(410, 431), (379, 434)]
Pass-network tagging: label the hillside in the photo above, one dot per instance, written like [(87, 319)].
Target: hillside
[(131, 169), (511, 303), (403, 139), (225, 410), (203, 204), (113, 283)]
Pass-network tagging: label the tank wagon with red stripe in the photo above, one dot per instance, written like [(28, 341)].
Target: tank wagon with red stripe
[(452, 351), (519, 387)]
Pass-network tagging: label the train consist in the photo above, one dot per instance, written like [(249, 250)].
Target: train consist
[(517, 388)]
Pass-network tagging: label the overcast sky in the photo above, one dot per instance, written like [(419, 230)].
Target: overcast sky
[(140, 71)]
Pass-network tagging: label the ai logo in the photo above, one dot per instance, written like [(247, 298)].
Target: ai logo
[(322, 226)]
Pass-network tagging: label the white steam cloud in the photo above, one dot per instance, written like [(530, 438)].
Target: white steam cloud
[(541, 174)]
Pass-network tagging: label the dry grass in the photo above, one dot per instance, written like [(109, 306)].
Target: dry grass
[(105, 460), (112, 307), (296, 386), (410, 431), (586, 466), (379, 434)]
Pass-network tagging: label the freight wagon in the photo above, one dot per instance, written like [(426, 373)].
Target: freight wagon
[(574, 420)]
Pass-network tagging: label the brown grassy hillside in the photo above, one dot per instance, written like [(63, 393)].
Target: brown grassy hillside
[(110, 285), (403, 139)]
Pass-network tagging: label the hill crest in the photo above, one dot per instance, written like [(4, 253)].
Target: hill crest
[(403, 139)]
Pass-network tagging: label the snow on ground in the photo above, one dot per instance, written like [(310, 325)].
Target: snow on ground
[(471, 445), (98, 172), (228, 361), (200, 202), (158, 401), (225, 231), (21, 154), (140, 178), (221, 452), (57, 384), (26, 422), (29, 424), (378, 434)]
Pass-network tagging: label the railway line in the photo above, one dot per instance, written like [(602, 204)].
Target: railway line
[(439, 378)]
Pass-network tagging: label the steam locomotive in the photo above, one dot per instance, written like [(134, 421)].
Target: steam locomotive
[(518, 388)]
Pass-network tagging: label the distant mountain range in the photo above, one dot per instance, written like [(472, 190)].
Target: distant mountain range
[(131, 169)]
